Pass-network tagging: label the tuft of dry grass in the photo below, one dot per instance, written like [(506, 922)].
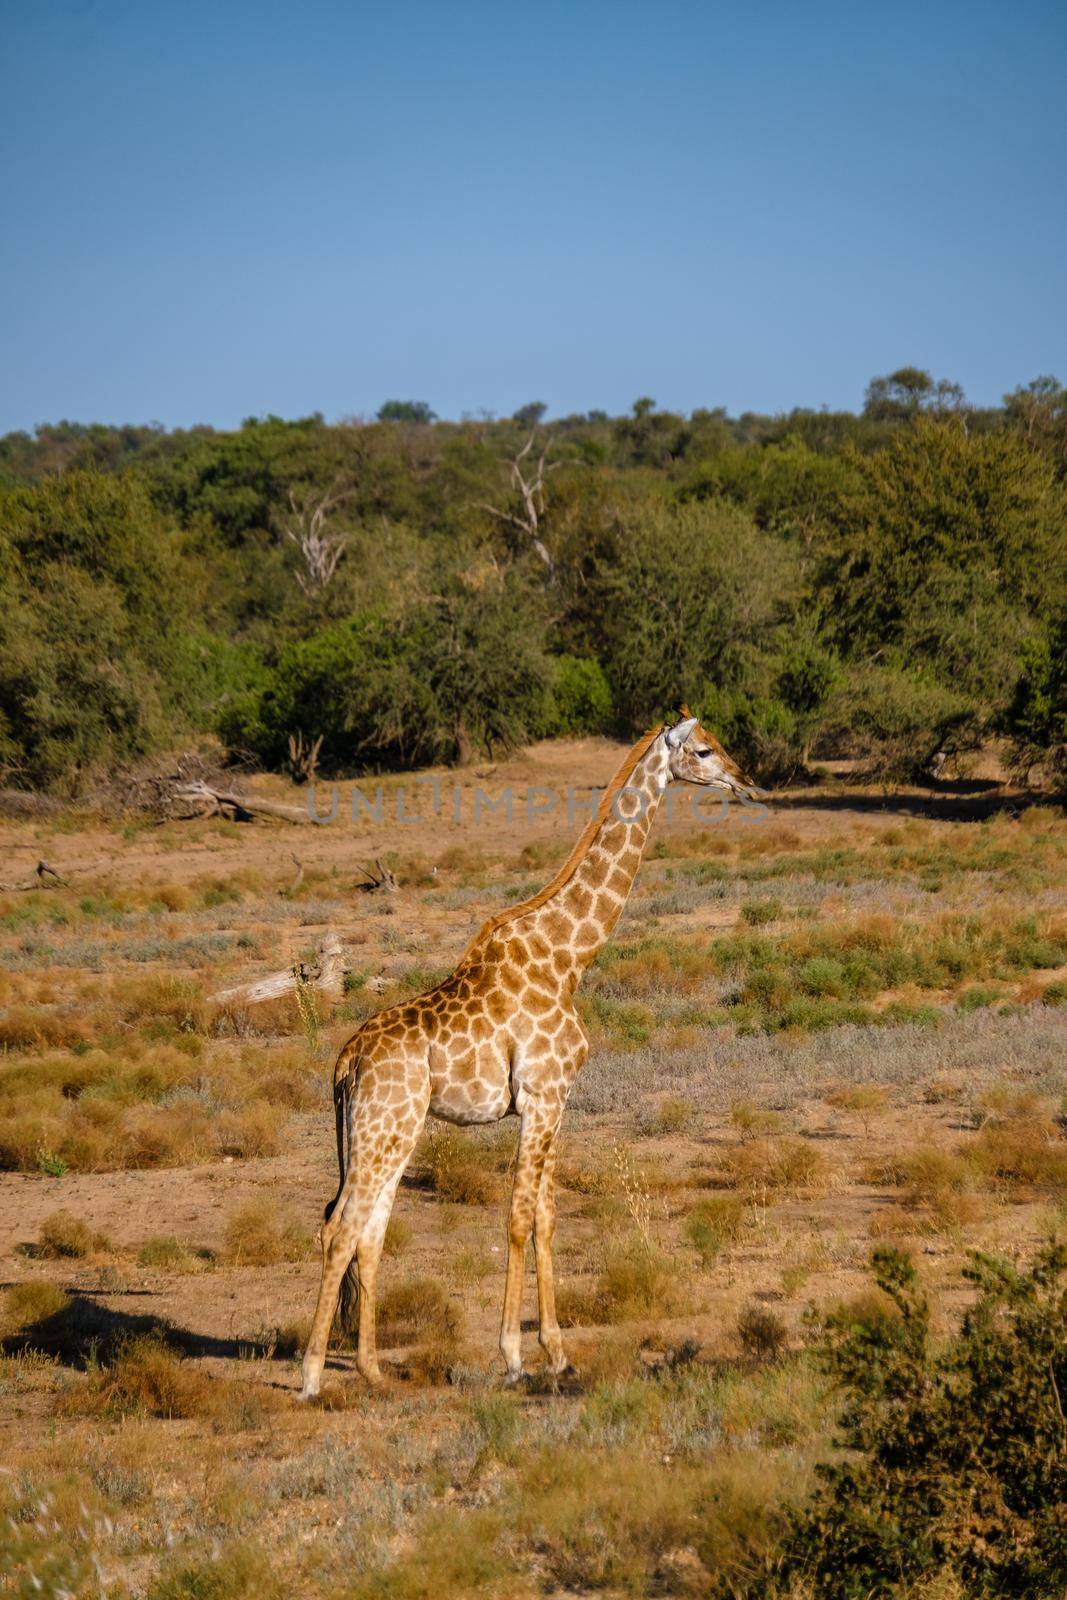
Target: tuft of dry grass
[(938, 1192), (418, 1313), (144, 1379), (755, 1122), (761, 1333), (713, 1223), (767, 1167), (242, 1570), (168, 1254), (27, 1304), (864, 1100), (62, 1234), (260, 1233), (464, 1167), (1021, 1153), (414, 1309)]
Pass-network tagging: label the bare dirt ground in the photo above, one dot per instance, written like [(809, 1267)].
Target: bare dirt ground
[(825, 1132)]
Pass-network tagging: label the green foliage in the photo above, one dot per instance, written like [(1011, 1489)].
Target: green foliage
[(406, 411), (89, 611), (895, 720), (579, 698), (878, 587), (957, 1463), (1036, 719), (461, 672), (961, 544), (671, 599)]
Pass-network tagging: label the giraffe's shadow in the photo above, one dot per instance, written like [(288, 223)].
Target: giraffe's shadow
[(84, 1331)]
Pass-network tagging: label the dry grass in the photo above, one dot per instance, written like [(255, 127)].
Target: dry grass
[(714, 1223), (260, 1233), (168, 1254), (938, 1192), (670, 1474), (761, 1333), (418, 1313), (64, 1235), (864, 1100), (466, 1167), (764, 1168), (755, 1122), (28, 1304)]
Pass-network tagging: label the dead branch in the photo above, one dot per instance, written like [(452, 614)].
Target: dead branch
[(200, 799), (303, 759), (320, 551), (378, 878), (298, 880), (531, 490), (44, 877), (326, 973)]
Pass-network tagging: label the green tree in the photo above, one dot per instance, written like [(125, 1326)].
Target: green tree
[(907, 392), (90, 618), (959, 549), (1036, 719), (406, 411), (672, 599)]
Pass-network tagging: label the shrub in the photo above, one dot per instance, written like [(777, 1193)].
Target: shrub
[(85, 557), (382, 685), (240, 1571), (714, 1222), (260, 1232), (27, 1304), (147, 1379), (464, 1167), (761, 1333), (579, 698), (64, 1234), (956, 1467), (168, 1254), (766, 1167)]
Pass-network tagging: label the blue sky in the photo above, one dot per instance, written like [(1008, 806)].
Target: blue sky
[(215, 211)]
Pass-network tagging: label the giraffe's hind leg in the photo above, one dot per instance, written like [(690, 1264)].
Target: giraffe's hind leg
[(383, 1137), (537, 1132), (544, 1227)]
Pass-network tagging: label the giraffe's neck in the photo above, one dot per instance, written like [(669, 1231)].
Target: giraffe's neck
[(593, 897)]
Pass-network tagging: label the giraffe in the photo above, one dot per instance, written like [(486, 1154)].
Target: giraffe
[(500, 1036)]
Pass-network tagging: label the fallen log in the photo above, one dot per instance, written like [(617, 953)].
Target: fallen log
[(44, 877), (207, 801), (326, 973)]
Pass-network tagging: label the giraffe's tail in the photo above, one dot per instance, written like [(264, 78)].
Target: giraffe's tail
[(348, 1302)]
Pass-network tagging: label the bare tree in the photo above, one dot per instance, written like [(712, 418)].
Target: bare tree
[(320, 550), (529, 481)]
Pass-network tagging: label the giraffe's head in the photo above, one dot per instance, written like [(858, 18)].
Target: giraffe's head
[(696, 756)]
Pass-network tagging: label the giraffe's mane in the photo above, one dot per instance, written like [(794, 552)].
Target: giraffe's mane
[(585, 839)]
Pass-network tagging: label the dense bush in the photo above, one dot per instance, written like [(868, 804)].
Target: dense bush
[(877, 587), (90, 611), (956, 1464), (1037, 716), (431, 682)]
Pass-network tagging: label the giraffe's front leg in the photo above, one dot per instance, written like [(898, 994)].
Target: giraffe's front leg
[(544, 1228), (536, 1134)]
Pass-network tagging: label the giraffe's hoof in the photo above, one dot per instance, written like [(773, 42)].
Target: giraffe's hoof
[(568, 1380)]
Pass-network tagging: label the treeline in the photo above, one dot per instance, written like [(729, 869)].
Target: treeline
[(884, 586)]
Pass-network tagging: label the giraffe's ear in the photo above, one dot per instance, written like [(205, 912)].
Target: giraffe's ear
[(677, 735), (684, 711)]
